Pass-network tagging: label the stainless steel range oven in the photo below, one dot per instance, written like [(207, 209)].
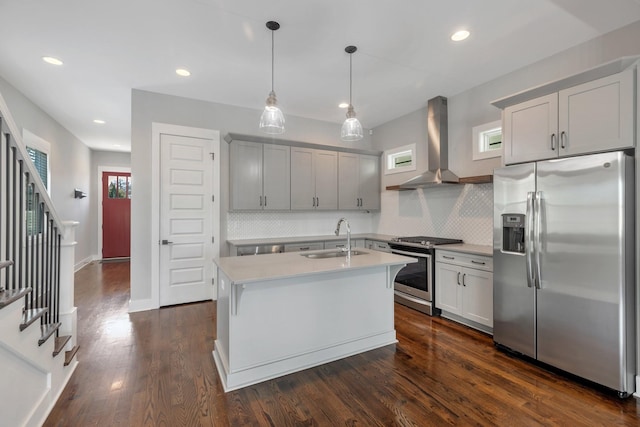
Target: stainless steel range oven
[(414, 285)]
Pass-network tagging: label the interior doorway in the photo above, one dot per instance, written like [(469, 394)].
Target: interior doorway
[(115, 212)]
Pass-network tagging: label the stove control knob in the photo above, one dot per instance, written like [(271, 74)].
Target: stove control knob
[(425, 243)]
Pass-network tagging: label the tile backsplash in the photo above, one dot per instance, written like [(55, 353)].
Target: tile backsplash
[(455, 211), (249, 225)]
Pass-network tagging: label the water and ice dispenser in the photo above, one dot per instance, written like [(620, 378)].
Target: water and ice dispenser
[(513, 233)]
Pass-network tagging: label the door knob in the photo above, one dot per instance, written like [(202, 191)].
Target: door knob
[(166, 242)]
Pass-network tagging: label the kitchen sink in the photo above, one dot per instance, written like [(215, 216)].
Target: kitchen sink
[(333, 254)]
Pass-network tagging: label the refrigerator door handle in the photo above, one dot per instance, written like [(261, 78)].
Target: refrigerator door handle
[(538, 241), (528, 245)]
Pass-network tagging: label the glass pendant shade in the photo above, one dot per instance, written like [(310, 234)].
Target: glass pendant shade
[(272, 119), (351, 128)]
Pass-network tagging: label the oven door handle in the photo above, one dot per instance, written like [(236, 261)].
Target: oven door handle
[(414, 254)]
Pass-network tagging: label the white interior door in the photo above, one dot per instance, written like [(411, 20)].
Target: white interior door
[(186, 233)]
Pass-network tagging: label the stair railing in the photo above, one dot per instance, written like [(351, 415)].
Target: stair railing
[(30, 230)]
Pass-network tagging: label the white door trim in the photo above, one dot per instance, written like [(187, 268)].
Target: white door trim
[(158, 129), (102, 169)]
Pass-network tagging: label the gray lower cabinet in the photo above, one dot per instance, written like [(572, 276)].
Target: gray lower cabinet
[(314, 179), (260, 176), (303, 247), (377, 245), (339, 244), (359, 182)]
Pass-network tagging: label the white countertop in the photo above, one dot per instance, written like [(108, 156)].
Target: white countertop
[(247, 269), (468, 249)]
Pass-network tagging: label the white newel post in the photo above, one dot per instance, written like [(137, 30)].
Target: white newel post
[(68, 312)]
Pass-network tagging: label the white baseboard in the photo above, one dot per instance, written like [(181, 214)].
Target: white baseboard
[(142, 305), (78, 266)]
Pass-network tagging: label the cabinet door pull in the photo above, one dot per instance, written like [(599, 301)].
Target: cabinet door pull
[(478, 262), (553, 142), (448, 257), (463, 276), (563, 138), (458, 279), (314, 202), (306, 248), (265, 201), (317, 202), (260, 200)]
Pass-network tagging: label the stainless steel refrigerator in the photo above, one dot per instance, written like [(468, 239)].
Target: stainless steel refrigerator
[(563, 249)]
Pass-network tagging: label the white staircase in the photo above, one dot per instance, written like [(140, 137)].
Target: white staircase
[(38, 322), (32, 377)]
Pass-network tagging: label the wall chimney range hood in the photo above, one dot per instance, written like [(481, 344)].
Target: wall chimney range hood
[(438, 172), (438, 149)]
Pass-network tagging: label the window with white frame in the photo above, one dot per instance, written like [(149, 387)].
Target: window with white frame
[(39, 151), (487, 140), (400, 159)]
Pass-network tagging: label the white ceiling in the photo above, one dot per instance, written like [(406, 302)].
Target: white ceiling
[(404, 52)]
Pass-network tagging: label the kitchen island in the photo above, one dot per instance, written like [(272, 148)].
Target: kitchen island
[(282, 313)]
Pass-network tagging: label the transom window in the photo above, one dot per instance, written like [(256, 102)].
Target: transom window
[(119, 187), (400, 159), (487, 140)]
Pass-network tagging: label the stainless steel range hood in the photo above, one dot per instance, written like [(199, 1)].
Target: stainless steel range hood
[(438, 149)]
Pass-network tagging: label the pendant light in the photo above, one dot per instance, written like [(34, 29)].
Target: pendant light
[(272, 120), (351, 128)]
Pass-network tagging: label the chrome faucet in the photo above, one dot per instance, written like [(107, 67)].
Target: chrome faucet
[(348, 248)]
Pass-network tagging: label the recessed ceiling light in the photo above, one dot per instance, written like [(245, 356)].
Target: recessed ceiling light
[(343, 105), (183, 72), (460, 35), (99, 122), (116, 145), (51, 60)]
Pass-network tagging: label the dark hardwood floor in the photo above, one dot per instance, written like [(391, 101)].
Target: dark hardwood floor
[(155, 368)]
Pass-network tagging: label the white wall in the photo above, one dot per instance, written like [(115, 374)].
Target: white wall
[(69, 163), (149, 107)]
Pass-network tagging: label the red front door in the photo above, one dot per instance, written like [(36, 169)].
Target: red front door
[(116, 214)]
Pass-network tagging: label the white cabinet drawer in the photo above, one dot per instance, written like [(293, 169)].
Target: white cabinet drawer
[(465, 260)]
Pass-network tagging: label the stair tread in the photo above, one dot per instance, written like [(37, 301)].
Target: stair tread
[(47, 331), (60, 343), (9, 296), (30, 316), (69, 355), (5, 264)]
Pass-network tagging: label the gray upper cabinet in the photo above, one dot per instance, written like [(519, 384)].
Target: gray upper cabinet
[(530, 130), (359, 182), (597, 116), (314, 179), (278, 174), (590, 117), (260, 177)]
